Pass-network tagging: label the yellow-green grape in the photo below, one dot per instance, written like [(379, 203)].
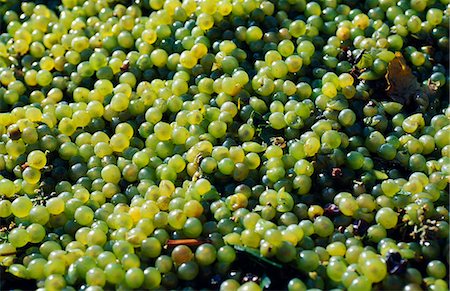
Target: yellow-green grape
[(7, 188), (119, 142), (33, 114), (387, 217), (294, 63), (348, 206), (389, 187), (31, 175), (18, 237), (36, 232), (337, 249), (163, 131), (413, 122), (329, 89), (188, 60), (37, 159), (119, 102), (5, 208), (102, 149), (111, 174), (159, 57), (55, 205)]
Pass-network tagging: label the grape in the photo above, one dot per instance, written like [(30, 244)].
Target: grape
[(18, 237), (5, 208), (36, 232), (436, 269), (95, 277), (296, 284), (21, 206), (374, 269), (307, 260), (181, 254), (386, 217), (323, 226), (84, 215), (152, 277), (114, 273), (134, 277), (188, 270), (336, 269), (55, 281), (229, 284), (360, 283)]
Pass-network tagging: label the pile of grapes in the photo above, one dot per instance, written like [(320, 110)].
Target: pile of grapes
[(232, 144)]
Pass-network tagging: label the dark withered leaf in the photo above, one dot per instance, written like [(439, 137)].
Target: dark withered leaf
[(331, 210), (266, 133), (395, 263), (402, 85), (360, 227)]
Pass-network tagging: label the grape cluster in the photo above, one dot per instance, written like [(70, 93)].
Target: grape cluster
[(161, 144)]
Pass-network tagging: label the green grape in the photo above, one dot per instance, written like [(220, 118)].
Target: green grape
[(249, 286), (188, 271), (36, 232), (31, 175), (129, 261), (111, 174), (84, 215), (436, 269), (47, 247), (192, 227), (374, 269), (229, 284), (151, 247), (360, 283), (226, 166), (55, 282), (336, 269), (35, 268), (386, 217), (96, 237), (164, 264), (114, 273), (18, 237), (96, 277), (226, 254), (329, 89), (323, 226), (355, 160), (7, 187), (181, 254), (152, 277), (134, 277), (307, 261), (55, 205), (217, 128), (331, 138), (177, 218), (21, 206), (347, 117), (434, 16), (389, 187), (5, 208)]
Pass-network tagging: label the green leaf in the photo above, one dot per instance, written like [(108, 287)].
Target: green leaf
[(265, 282), (380, 175), (255, 254)]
